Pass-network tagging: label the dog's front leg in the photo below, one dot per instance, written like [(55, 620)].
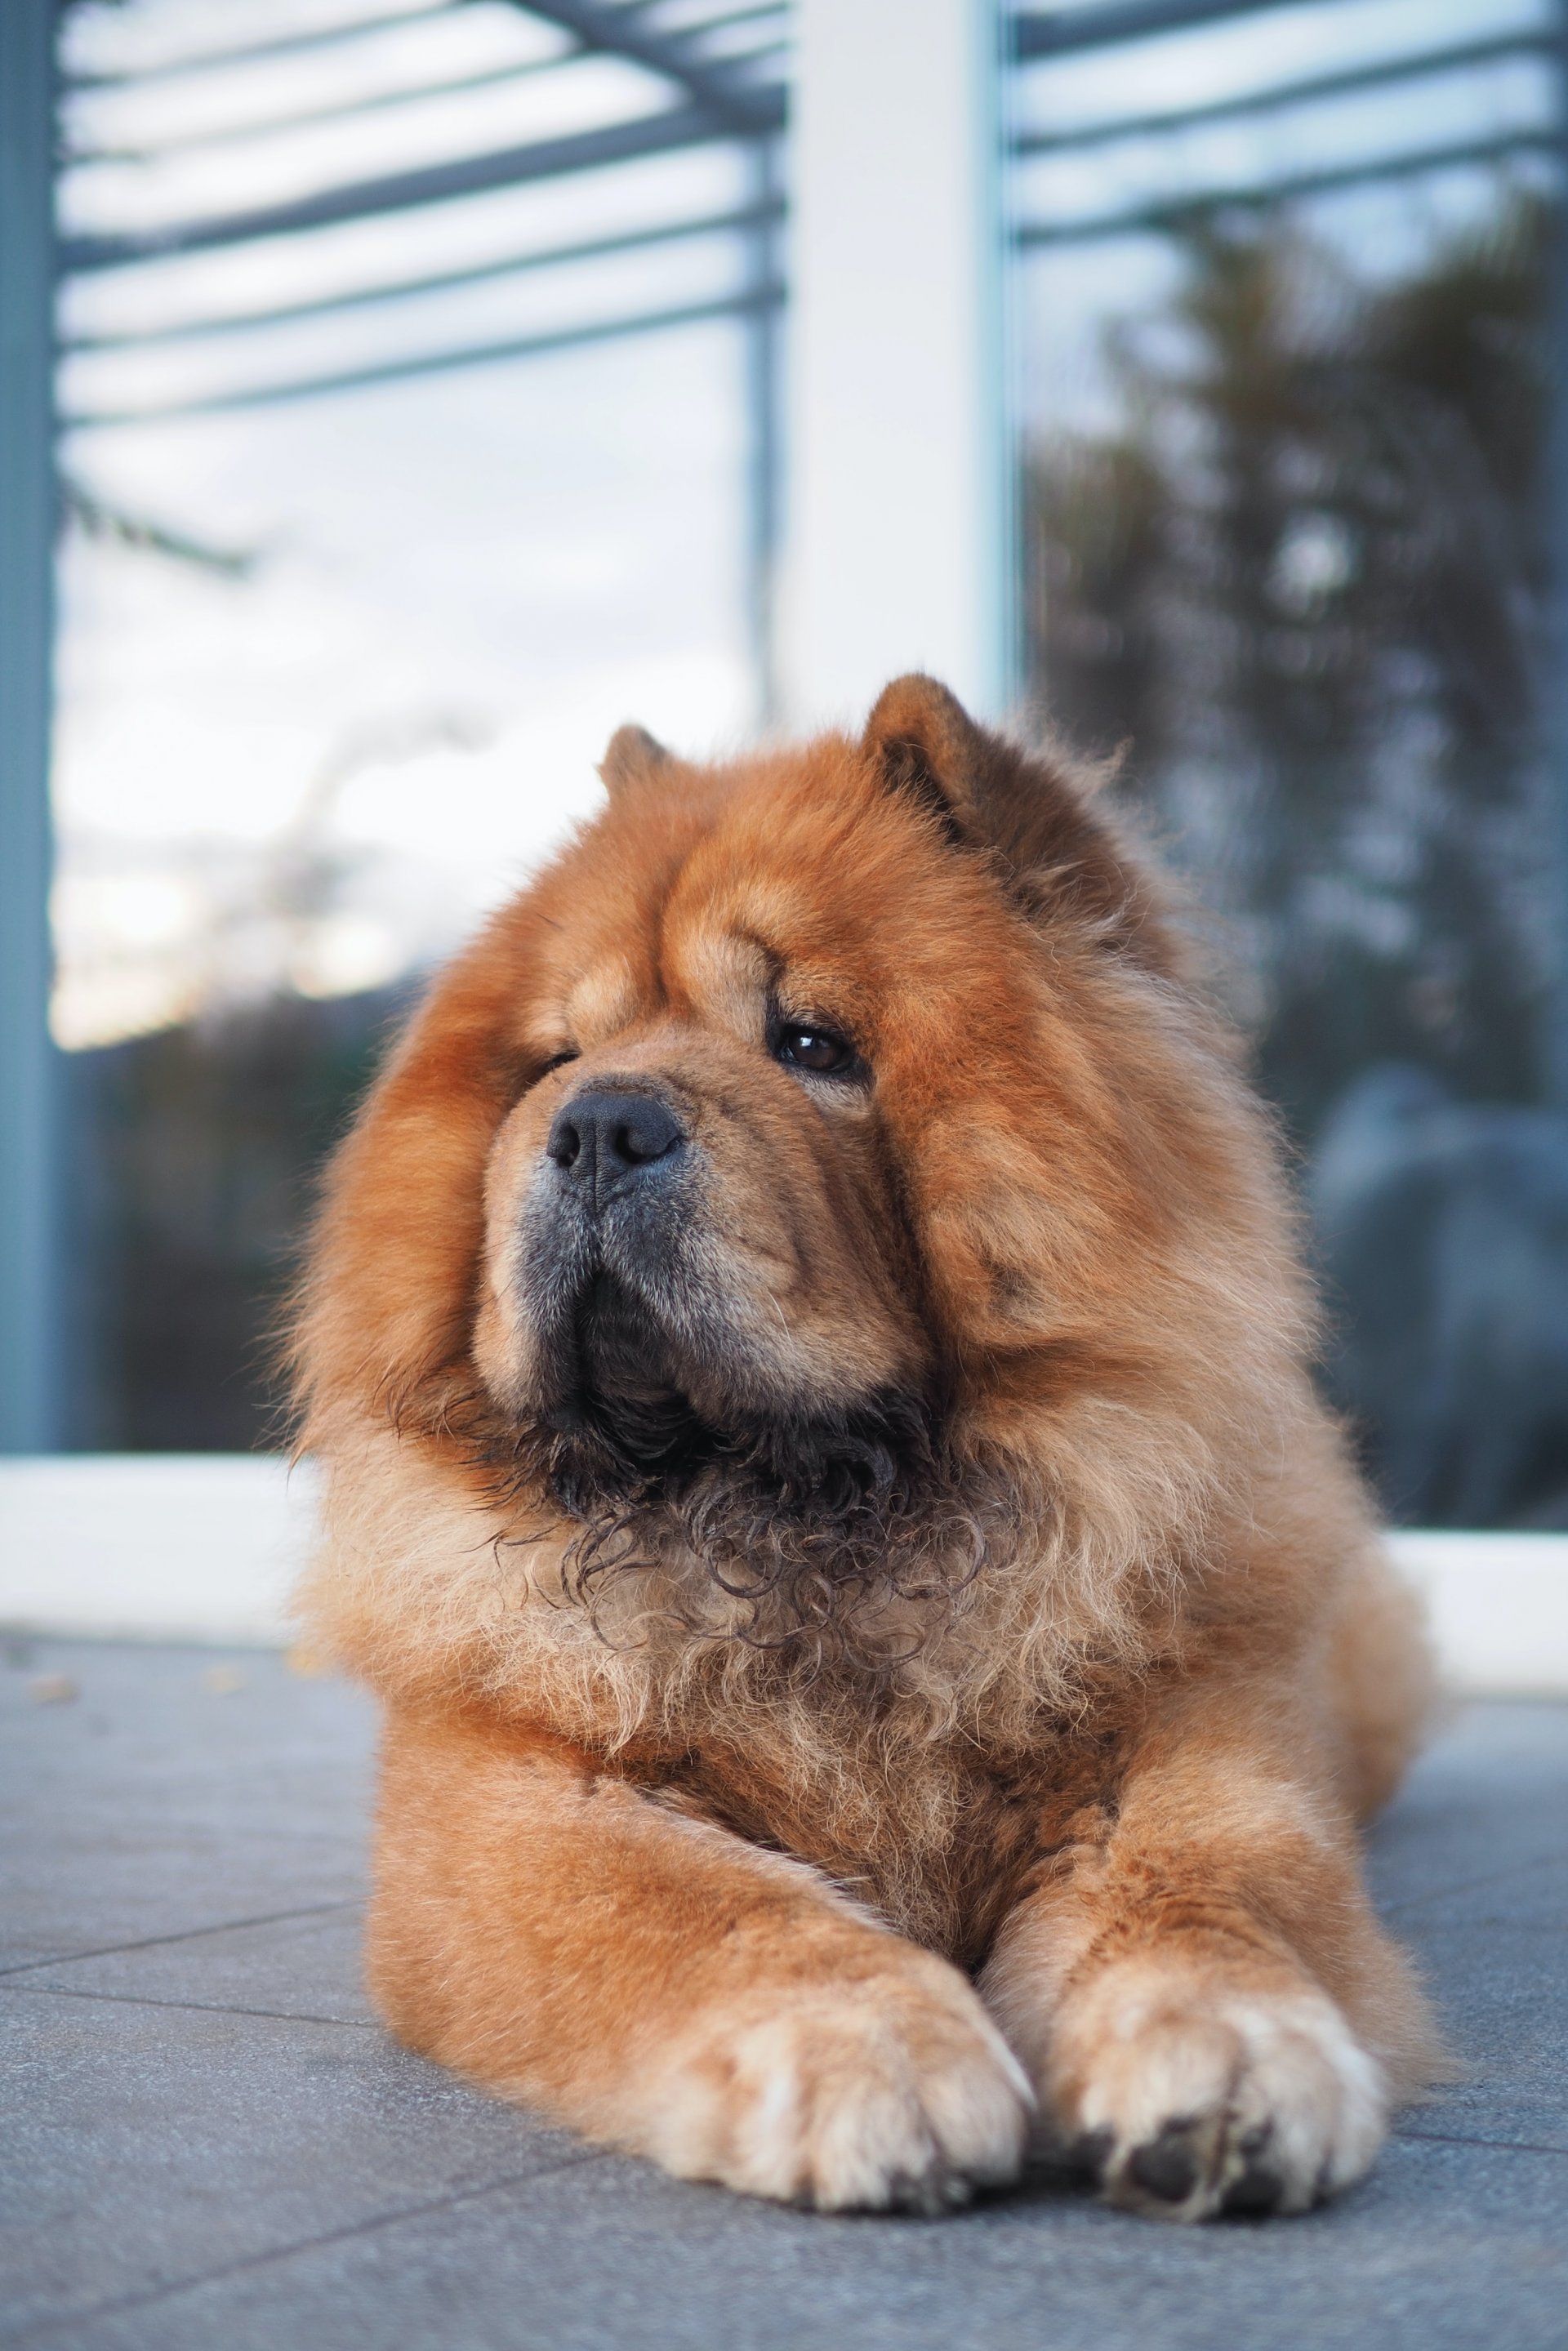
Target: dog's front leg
[(1209, 2012), (555, 1933)]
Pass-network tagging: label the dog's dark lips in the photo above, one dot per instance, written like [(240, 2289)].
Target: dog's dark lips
[(619, 1430), (620, 1421)]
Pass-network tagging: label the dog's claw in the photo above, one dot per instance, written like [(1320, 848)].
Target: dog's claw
[(1166, 2167)]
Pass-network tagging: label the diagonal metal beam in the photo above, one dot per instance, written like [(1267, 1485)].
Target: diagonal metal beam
[(1183, 211), (744, 113), (1415, 65), (337, 109), (1067, 32), (521, 347), (442, 281), (258, 52), (543, 158)]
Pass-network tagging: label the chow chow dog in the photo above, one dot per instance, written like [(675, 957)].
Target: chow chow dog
[(884, 1653)]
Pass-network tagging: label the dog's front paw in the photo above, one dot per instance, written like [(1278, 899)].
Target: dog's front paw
[(891, 2092), (1189, 2099)]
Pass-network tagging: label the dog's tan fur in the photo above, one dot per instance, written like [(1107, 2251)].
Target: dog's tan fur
[(824, 1883)]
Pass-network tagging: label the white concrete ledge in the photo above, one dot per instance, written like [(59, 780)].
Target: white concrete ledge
[(1498, 1607), (204, 1547), (153, 1546)]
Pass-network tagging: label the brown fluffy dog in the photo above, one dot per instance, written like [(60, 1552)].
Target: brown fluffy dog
[(881, 1646)]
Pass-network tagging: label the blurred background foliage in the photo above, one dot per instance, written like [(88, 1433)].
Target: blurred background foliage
[(1304, 589), (1307, 589)]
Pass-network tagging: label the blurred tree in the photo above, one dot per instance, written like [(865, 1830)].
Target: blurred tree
[(1305, 584)]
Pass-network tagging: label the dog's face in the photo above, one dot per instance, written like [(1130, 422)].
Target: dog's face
[(793, 1139), (804, 1127), (698, 1216), (694, 1212)]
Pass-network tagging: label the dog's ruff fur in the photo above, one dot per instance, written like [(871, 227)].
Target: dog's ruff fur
[(884, 1653)]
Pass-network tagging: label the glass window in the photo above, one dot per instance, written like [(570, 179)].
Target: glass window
[(409, 387), (1285, 318)]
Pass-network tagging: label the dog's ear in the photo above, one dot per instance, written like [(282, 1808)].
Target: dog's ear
[(927, 746), (1031, 812), (631, 754)]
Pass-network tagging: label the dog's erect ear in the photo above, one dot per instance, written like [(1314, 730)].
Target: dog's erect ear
[(927, 745), (631, 754)]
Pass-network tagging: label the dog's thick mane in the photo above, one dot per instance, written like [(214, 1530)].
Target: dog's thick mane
[(1039, 1584), (1087, 1507)]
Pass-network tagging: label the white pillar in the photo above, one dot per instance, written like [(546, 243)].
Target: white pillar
[(897, 549)]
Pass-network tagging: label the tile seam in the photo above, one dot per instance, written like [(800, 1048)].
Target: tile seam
[(185, 1935), (152, 2297), (1472, 1885), (194, 2007), (1460, 2138)]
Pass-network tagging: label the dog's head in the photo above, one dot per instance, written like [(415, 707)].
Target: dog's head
[(786, 1148)]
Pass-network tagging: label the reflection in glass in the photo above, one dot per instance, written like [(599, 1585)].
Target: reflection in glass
[(1287, 540), (351, 600)]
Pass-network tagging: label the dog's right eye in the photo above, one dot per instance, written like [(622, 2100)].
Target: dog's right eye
[(821, 1049), (558, 1061)]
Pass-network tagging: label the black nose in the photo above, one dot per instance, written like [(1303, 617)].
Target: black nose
[(602, 1140)]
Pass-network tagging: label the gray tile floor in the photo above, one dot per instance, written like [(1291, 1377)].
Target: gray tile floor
[(210, 2144)]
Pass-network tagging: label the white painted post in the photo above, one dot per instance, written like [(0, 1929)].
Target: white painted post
[(897, 549)]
